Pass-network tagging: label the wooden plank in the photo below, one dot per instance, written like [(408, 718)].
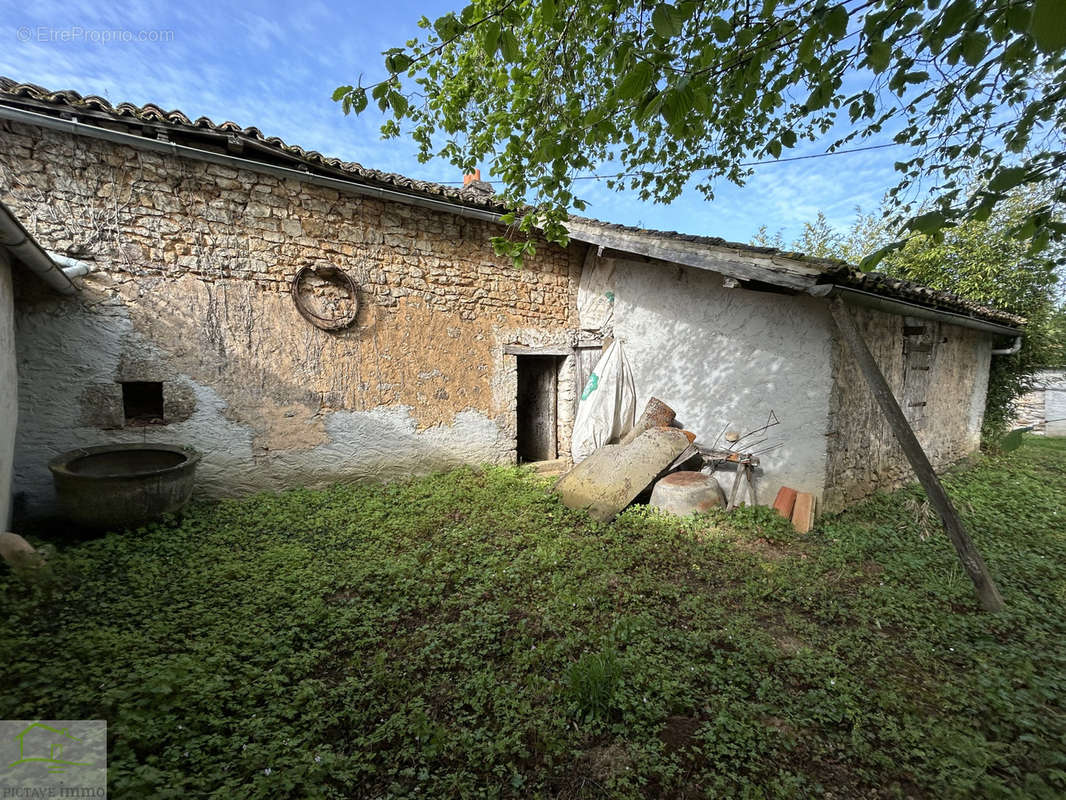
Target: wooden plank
[(522, 350), (736, 488), (971, 559), (585, 359), (784, 502), (777, 270), (803, 512)]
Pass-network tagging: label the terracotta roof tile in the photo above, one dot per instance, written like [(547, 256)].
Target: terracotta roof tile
[(72, 101)]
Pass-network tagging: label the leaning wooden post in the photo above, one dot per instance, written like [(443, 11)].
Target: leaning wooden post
[(968, 554)]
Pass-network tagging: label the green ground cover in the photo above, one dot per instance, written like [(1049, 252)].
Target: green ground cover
[(464, 635)]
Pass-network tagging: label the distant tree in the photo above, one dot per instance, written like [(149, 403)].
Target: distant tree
[(820, 239), (763, 238), (658, 93)]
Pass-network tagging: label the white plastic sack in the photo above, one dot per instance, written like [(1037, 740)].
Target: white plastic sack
[(595, 296), (608, 404)]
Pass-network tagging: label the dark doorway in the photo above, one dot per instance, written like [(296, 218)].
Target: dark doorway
[(142, 402), (537, 407)]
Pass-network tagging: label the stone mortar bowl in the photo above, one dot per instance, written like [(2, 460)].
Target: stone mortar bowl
[(123, 485)]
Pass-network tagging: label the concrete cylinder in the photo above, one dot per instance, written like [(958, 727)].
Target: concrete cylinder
[(683, 493)]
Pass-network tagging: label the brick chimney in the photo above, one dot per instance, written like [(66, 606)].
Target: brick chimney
[(474, 187)]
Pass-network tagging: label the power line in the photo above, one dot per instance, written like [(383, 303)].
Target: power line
[(617, 175)]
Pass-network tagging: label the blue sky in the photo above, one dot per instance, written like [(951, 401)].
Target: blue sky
[(275, 65)]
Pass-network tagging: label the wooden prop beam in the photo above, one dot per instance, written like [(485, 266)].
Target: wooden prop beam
[(971, 559)]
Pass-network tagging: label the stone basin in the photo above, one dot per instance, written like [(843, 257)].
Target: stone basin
[(123, 485)]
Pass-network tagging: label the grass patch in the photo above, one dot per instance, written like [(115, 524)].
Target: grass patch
[(464, 635)]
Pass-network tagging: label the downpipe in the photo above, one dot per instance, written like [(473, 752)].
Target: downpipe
[(1009, 351)]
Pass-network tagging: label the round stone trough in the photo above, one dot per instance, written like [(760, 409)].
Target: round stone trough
[(123, 485), (683, 493)]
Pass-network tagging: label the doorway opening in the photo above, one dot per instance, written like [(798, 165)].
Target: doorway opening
[(538, 380)]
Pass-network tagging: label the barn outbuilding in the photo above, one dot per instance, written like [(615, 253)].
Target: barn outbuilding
[(301, 320)]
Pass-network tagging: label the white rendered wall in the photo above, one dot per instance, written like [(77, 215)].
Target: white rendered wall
[(723, 358)]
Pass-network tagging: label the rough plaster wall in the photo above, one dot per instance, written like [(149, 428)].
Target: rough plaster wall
[(8, 388), (863, 453), (723, 358), (193, 290)]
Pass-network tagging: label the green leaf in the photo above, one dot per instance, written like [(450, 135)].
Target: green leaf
[(974, 47), (835, 21), (358, 100), (774, 148), (398, 62), (1007, 179), (819, 97), (650, 106), (1048, 25), (667, 20), (677, 104), (636, 82), (788, 138), (721, 29), (927, 223), (954, 16), (877, 256), (700, 100), (490, 37), (398, 103), (878, 55), (509, 46), (448, 27), (1019, 18), (340, 92)]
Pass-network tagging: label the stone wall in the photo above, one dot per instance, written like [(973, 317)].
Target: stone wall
[(195, 262), (939, 375), (8, 388)]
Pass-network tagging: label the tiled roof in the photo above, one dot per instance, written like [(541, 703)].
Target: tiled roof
[(840, 273), (44, 100), (880, 284), (270, 149)]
